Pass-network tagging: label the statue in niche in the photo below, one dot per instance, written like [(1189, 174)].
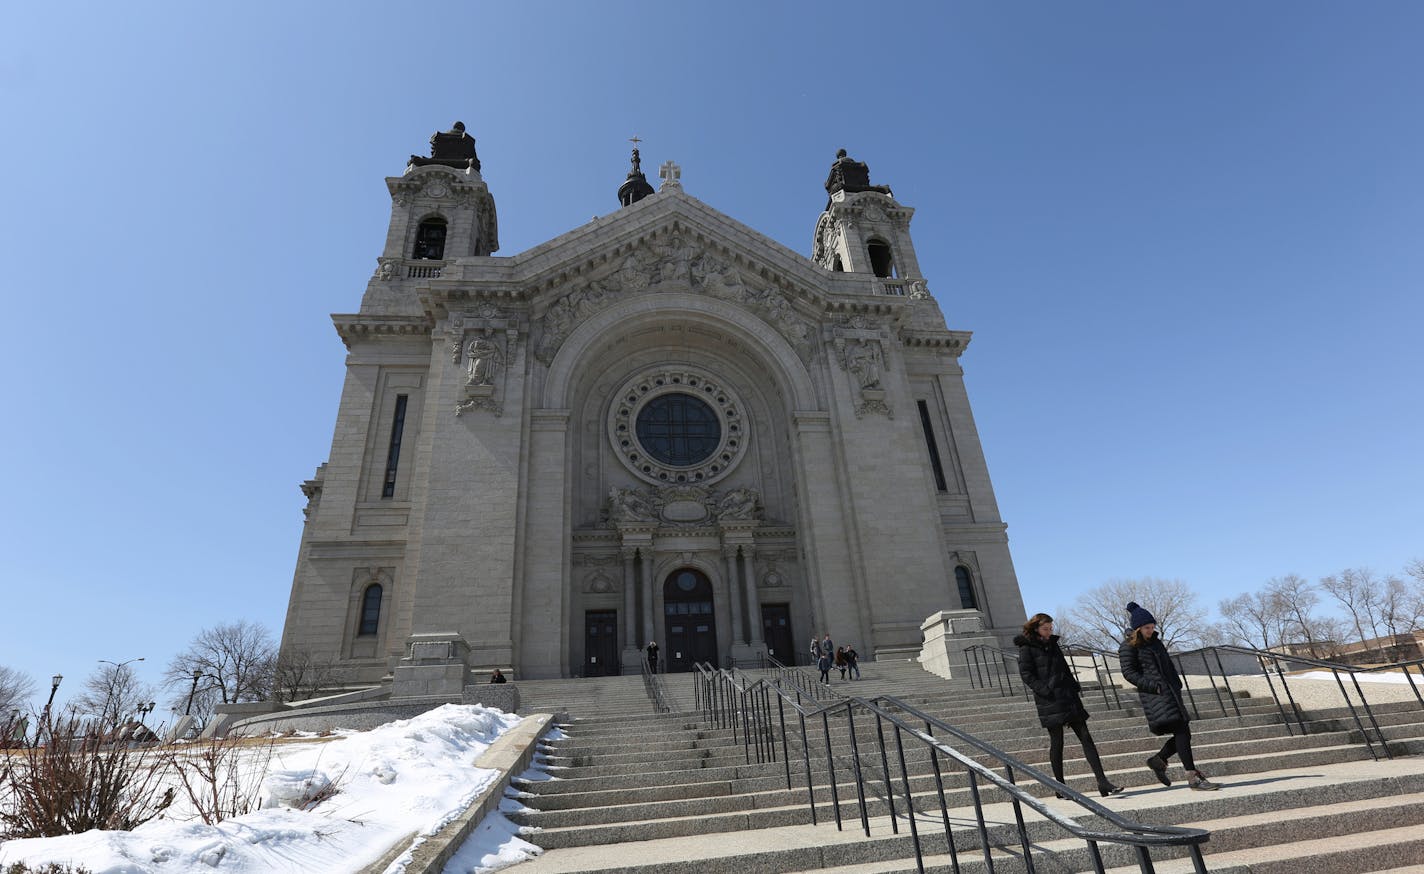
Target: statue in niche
[(630, 505), (737, 505), (865, 362), (481, 360)]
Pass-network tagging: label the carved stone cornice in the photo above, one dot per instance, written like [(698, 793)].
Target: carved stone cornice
[(954, 342), (355, 327)]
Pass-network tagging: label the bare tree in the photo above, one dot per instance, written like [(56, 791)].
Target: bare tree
[(1415, 569), (226, 664), (1099, 615), (299, 674), (111, 694), (16, 690), (1063, 626), (1253, 619), (1297, 598), (1399, 609), (1357, 591)]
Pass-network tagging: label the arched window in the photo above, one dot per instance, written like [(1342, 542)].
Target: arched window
[(880, 261), (967, 600), (837, 266), (430, 240), (370, 610)]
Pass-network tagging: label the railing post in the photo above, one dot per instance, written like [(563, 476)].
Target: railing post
[(1230, 695), (1369, 711), (831, 768), (1410, 677), (785, 753), (910, 804), (806, 756), (1354, 714), (746, 729), (859, 778), (1018, 818), (1196, 711), (885, 769), (979, 815), (943, 804)]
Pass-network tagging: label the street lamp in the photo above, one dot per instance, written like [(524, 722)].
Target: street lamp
[(197, 675), (53, 687)]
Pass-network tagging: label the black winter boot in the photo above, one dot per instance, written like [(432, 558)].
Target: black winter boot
[(1159, 770)]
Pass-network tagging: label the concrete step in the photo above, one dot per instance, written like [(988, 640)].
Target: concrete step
[(1363, 795), (640, 793), (593, 826)]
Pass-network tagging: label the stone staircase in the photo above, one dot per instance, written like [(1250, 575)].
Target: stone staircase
[(595, 697), (633, 791)]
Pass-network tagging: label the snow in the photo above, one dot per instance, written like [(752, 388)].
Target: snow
[(1374, 677), (401, 780)]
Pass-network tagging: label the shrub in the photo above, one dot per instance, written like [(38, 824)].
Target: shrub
[(75, 782)]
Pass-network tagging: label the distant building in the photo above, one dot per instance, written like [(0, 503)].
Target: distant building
[(660, 425), (1378, 650)]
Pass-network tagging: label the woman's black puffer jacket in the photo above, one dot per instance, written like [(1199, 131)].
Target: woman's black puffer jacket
[(1043, 669), (1159, 687)]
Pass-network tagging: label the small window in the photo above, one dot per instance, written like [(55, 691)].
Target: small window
[(430, 240), (837, 266), (932, 446), (370, 610), (388, 487), (967, 600), (880, 261)]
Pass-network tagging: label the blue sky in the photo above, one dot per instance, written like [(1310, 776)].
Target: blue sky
[(1187, 238)]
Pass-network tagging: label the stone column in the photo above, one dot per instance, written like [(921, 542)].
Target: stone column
[(753, 601), (649, 629), (630, 602), (729, 552)]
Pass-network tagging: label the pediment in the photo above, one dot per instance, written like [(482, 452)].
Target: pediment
[(675, 245), (666, 243), (668, 227)]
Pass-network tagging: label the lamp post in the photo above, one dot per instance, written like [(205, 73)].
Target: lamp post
[(197, 675), (144, 710), (53, 687), (113, 681)]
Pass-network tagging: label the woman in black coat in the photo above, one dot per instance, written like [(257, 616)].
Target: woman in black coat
[(1147, 665), (1043, 669)]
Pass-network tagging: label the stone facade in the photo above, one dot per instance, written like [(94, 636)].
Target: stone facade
[(661, 425)]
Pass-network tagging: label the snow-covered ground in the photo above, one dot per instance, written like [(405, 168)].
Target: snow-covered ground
[(1373, 677), (404, 779)]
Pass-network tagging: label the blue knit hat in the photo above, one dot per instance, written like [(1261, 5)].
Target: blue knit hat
[(1138, 616)]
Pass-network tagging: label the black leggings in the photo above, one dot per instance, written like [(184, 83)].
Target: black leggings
[(1090, 750), (1180, 743)]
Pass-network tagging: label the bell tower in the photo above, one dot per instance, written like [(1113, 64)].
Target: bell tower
[(864, 229), (440, 207)]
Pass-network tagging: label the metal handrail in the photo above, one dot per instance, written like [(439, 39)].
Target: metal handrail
[(1291, 713), (978, 658), (718, 688), (803, 681), (653, 685)]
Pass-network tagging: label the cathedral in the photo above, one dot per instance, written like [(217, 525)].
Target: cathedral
[(660, 426)]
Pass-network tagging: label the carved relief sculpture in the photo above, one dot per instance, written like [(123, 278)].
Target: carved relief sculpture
[(631, 505), (738, 505), (482, 358), (865, 361)]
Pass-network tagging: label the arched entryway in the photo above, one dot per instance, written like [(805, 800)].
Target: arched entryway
[(691, 627)]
